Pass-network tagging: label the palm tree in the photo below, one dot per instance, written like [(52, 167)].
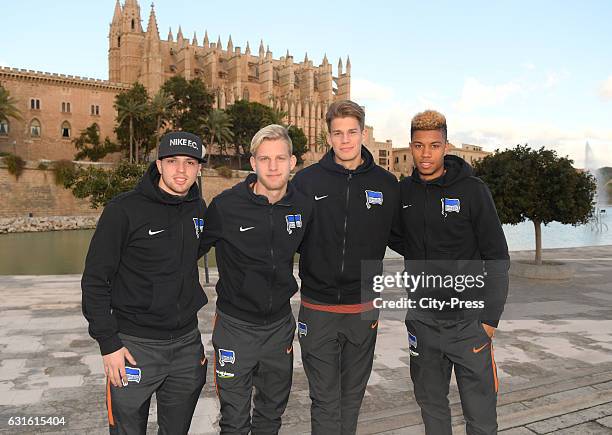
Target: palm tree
[(159, 108), (218, 126), (276, 116), (8, 106), (321, 141), (130, 110)]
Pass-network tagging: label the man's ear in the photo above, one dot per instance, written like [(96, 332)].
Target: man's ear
[(292, 163), (158, 162), (252, 161)]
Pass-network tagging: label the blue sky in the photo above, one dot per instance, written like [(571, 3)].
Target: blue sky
[(502, 72)]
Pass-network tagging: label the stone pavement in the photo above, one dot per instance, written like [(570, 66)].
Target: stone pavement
[(553, 352)]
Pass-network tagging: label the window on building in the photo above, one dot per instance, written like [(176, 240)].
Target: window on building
[(35, 128), (397, 160), (65, 107), (404, 157), (382, 153), (68, 107), (4, 128), (66, 129), (382, 162), (133, 24), (97, 110), (119, 41), (34, 104)]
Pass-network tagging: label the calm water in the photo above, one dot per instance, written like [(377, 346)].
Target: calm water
[(63, 252)]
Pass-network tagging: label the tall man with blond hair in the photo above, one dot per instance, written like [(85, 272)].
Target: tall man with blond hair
[(256, 227), (451, 227), (355, 204)]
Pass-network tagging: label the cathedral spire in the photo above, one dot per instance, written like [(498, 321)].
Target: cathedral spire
[(248, 49), (306, 58), (170, 37), (206, 41), (339, 66), (261, 48), (230, 45), (195, 39), (325, 62), (219, 42), (117, 14), (348, 65), (180, 39), (152, 30)]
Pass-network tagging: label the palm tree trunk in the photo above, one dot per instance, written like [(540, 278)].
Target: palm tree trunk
[(538, 239), (212, 137)]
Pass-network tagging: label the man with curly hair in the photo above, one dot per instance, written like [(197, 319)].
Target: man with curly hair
[(450, 227)]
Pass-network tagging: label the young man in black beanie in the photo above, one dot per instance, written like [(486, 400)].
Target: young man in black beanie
[(141, 292)]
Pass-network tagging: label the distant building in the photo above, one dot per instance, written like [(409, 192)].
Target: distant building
[(382, 151)]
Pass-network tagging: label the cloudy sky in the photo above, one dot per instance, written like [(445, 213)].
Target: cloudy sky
[(502, 72)]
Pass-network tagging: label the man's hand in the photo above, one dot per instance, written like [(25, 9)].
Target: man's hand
[(489, 330), (114, 366)]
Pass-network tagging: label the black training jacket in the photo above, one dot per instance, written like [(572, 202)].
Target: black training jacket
[(450, 219), (255, 243), (141, 273), (354, 211)]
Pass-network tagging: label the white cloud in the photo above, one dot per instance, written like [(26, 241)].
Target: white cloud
[(528, 65), (605, 90), (553, 78), (476, 94), (363, 89)]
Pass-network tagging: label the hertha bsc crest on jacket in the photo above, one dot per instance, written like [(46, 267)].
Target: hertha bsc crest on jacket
[(293, 221), (373, 198), (199, 226), (450, 205)]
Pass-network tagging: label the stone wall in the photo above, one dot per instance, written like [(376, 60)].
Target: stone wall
[(35, 195)]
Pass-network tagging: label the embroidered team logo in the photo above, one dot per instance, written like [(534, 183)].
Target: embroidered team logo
[(226, 357), (412, 344), (450, 205), (293, 221), (133, 374), (199, 226), (302, 329), (373, 198)]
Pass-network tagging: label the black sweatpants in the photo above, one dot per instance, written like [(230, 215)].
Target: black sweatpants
[(438, 346), (248, 355), (337, 353), (173, 369)]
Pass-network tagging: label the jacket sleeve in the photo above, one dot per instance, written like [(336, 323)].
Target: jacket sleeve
[(494, 252), (213, 228), (101, 266)]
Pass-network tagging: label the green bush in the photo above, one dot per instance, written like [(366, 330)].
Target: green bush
[(224, 171), (15, 164), (65, 173)]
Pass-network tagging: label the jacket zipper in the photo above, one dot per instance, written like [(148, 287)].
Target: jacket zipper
[(272, 258), (178, 304), (348, 190)]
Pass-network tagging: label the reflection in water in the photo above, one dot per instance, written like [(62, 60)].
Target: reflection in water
[(63, 252)]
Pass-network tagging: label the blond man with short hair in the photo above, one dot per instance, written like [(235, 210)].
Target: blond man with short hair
[(256, 228)]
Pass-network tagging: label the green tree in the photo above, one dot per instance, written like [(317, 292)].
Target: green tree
[(300, 142), (192, 103), (275, 116), (8, 106), (218, 128), (89, 145), (159, 108), (539, 186), (134, 124), (100, 185), (248, 118)]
